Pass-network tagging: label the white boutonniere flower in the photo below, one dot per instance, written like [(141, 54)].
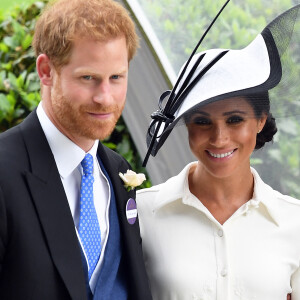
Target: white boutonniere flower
[(132, 179)]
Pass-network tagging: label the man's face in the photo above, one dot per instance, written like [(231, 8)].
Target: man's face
[(88, 94)]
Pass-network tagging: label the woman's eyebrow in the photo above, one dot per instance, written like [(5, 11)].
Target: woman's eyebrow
[(202, 113), (234, 112), (228, 113), (224, 114)]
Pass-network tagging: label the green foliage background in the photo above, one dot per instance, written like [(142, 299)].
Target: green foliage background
[(9, 4), (19, 82), (180, 24)]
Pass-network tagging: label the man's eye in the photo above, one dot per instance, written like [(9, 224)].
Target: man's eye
[(87, 77), (115, 76), (235, 120)]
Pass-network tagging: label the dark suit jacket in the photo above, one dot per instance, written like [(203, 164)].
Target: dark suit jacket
[(39, 250)]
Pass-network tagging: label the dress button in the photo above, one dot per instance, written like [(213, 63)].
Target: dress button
[(224, 273), (220, 232)]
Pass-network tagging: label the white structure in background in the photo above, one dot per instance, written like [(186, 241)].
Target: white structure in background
[(150, 74)]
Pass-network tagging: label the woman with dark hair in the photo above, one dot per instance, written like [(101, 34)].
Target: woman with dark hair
[(260, 108), (216, 230)]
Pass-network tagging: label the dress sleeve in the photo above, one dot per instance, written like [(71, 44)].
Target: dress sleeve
[(295, 282)]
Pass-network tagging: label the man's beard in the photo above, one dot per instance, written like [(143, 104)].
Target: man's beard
[(76, 121)]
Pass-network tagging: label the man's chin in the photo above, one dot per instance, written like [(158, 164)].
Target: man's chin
[(101, 133)]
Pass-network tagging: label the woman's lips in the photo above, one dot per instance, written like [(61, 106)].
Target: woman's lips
[(220, 155)]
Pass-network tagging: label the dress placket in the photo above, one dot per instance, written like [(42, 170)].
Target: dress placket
[(221, 262)]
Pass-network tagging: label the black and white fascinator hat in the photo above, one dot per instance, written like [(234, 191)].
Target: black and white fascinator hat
[(269, 63)]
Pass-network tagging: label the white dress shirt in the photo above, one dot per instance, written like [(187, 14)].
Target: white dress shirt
[(68, 157), (255, 254)]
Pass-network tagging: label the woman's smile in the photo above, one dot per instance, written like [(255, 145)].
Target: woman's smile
[(220, 155)]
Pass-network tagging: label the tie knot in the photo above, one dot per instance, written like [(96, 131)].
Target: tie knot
[(87, 164)]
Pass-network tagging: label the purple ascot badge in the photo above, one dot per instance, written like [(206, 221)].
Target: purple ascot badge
[(131, 211)]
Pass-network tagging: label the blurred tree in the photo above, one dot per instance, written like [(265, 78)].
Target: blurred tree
[(9, 4)]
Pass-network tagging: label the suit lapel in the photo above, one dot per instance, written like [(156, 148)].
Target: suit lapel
[(113, 167), (130, 234), (52, 207)]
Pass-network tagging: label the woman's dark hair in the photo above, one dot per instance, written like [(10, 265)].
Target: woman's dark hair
[(260, 103)]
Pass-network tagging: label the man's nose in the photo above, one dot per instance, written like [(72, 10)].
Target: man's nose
[(103, 93)]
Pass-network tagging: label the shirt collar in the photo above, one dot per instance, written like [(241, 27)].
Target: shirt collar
[(263, 193), (177, 184), (67, 154)]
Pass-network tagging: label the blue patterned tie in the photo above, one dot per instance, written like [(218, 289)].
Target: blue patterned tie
[(89, 229)]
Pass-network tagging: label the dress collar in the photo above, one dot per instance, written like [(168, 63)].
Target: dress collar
[(173, 189), (263, 194), (67, 154)]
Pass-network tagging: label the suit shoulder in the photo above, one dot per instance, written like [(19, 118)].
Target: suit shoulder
[(10, 136), (11, 145)]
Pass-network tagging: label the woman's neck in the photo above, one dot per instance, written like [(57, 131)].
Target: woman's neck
[(221, 196)]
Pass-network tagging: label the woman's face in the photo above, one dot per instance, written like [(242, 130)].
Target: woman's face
[(222, 136)]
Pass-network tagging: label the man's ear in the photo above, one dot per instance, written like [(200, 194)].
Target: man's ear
[(44, 69)]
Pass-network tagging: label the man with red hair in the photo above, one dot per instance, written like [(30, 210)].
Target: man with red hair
[(64, 226)]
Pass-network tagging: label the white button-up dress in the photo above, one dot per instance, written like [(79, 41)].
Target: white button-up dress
[(255, 254)]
